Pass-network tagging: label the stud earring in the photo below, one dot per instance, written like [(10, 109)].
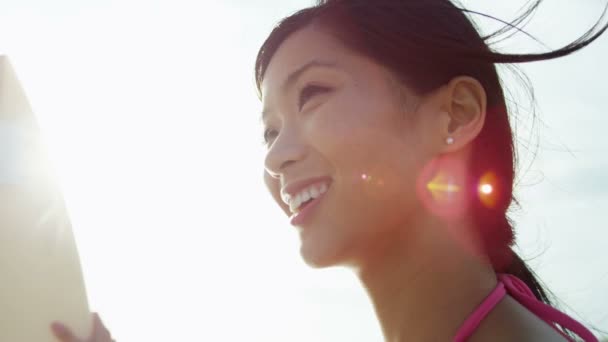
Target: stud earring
[(449, 140)]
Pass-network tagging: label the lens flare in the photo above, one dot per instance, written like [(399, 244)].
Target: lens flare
[(441, 187), (371, 183), (487, 189)]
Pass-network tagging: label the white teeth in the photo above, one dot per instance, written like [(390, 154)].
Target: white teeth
[(295, 203), (313, 191), (323, 188), (305, 196)]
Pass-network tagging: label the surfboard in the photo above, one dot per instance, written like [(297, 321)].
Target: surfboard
[(41, 278)]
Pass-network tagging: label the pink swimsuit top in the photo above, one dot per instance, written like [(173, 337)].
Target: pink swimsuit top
[(517, 289)]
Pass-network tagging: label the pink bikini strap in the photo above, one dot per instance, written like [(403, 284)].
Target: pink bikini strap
[(473, 321), (512, 285), (518, 290)]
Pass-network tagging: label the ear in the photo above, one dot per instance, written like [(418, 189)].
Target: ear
[(463, 112)]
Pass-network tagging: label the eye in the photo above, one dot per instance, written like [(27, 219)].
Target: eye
[(269, 135), (309, 92)]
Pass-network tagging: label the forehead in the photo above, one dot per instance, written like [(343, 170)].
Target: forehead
[(301, 47)]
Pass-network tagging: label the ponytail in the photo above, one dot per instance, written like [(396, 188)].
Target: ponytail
[(498, 238), (519, 269)]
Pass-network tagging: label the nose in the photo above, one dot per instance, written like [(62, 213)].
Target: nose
[(287, 149)]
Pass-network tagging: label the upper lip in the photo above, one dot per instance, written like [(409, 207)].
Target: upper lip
[(290, 190)]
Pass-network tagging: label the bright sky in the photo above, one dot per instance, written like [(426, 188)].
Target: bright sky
[(150, 113)]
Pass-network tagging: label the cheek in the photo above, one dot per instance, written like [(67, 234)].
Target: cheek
[(274, 187), (368, 147), (363, 137)]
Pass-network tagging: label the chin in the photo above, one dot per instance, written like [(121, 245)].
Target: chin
[(326, 251), (320, 255), (321, 263)]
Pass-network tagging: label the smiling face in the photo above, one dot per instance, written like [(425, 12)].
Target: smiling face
[(336, 119)]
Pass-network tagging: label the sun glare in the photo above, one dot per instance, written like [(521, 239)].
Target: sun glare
[(486, 189)]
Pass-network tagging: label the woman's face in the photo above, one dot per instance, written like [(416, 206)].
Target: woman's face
[(341, 132)]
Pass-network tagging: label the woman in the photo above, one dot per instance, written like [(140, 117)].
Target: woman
[(390, 148)]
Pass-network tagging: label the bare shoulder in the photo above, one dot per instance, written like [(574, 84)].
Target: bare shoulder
[(511, 321)]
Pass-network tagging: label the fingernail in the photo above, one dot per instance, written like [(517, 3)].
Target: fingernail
[(59, 329)]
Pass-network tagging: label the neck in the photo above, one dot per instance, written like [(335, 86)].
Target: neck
[(423, 290)]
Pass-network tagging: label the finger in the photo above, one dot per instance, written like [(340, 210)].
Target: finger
[(100, 332), (63, 333)]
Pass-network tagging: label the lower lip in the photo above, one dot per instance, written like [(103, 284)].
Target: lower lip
[(303, 215)]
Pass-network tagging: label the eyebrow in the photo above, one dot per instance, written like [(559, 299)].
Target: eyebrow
[(296, 74)]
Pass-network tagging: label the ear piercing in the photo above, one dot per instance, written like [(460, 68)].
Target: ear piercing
[(449, 140)]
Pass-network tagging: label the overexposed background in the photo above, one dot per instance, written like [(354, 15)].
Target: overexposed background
[(150, 114)]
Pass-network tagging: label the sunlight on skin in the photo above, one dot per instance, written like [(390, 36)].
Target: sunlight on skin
[(133, 132)]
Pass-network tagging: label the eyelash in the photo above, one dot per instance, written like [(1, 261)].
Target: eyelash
[(310, 91), (306, 94), (265, 139)]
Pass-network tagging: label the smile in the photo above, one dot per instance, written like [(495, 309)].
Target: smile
[(297, 197)]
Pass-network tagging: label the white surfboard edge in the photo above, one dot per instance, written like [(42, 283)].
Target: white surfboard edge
[(40, 274)]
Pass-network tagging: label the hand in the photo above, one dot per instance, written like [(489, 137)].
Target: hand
[(100, 332)]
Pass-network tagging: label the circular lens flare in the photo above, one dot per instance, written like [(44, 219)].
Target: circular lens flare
[(487, 188)]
